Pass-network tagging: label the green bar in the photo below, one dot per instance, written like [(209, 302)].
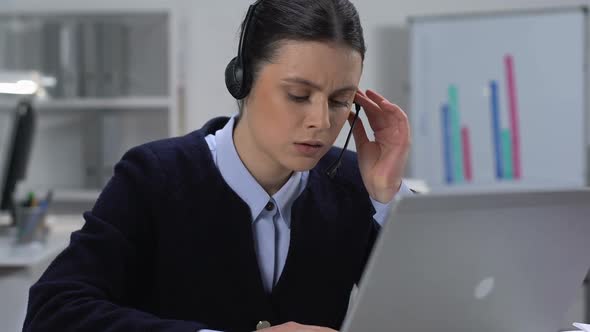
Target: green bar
[(456, 133), (507, 154)]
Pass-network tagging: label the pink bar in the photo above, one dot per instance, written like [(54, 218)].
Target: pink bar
[(513, 111), (466, 154)]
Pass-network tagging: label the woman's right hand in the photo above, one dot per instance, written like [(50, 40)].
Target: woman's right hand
[(294, 327)]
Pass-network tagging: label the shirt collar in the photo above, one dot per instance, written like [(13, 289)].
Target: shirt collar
[(245, 185), (286, 196)]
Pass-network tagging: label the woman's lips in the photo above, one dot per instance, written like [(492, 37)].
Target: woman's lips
[(310, 149)]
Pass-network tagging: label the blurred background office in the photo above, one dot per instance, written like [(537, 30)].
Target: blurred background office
[(496, 91)]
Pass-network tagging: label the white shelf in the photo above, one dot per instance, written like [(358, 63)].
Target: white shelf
[(71, 195), (124, 103), (83, 104)]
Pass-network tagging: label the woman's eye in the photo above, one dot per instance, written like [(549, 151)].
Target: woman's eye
[(337, 103), (298, 99)]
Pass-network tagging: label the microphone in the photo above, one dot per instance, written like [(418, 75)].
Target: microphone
[(331, 171)]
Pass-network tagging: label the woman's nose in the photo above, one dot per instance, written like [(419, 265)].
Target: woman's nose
[(318, 116)]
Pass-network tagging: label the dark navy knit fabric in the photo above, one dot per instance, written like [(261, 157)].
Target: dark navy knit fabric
[(168, 246)]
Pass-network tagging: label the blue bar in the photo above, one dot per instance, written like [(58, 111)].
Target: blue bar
[(447, 141), (497, 136)]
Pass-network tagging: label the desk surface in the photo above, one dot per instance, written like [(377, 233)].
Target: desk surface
[(26, 255)]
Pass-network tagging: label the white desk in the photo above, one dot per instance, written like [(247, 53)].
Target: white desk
[(21, 266)]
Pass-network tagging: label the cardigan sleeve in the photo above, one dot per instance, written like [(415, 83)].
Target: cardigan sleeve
[(93, 284), (382, 209)]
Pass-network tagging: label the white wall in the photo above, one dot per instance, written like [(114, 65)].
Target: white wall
[(211, 42)]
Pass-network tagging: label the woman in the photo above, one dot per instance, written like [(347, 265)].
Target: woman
[(236, 226)]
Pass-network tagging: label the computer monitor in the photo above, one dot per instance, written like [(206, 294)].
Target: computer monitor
[(18, 151)]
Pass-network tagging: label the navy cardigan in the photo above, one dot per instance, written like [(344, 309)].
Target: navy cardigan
[(168, 246)]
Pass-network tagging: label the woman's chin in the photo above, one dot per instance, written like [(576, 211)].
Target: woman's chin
[(302, 164)]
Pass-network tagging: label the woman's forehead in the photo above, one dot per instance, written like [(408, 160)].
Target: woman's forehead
[(322, 63)]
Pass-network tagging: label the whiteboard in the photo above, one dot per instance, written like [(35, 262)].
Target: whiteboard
[(498, 100)]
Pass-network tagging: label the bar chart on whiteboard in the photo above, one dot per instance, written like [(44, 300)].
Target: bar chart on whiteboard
[(493, 107)]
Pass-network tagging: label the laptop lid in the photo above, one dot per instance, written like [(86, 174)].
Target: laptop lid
[(476, 262)]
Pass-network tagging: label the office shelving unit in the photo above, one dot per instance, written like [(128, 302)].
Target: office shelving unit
[(117, 86)]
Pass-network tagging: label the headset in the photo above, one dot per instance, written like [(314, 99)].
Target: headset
[(239, 82)]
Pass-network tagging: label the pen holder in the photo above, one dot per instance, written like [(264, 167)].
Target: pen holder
[(30, 224)]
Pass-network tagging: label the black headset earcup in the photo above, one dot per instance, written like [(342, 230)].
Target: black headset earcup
[(234, 79)]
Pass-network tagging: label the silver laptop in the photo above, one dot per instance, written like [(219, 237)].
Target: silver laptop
[(476, 262)]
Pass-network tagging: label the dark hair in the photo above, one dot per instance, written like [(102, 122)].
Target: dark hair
[(303, 20)]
